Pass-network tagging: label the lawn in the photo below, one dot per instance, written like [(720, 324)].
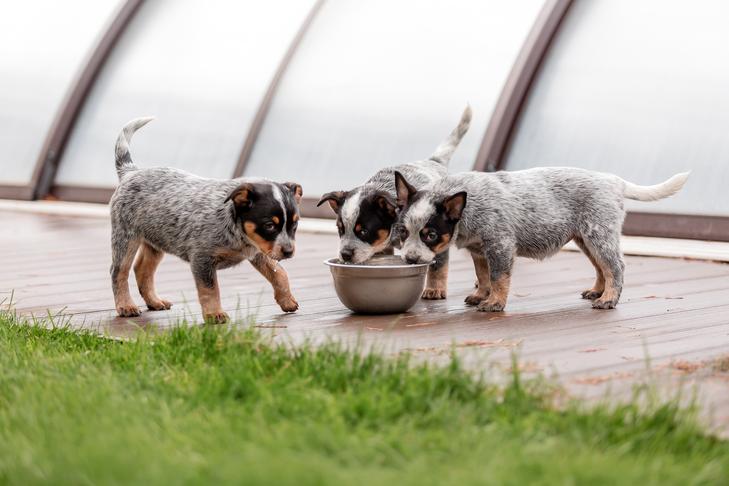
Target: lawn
[(214, 405)]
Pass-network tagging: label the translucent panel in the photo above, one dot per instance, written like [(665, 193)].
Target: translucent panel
[(640, 89), (43, 44), (201, 68), (382, 82)]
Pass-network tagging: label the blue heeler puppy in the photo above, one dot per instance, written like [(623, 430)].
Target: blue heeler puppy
[(531, 213), (212, 224), (366, 214)]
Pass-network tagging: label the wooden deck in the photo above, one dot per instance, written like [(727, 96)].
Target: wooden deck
[(676, 312)]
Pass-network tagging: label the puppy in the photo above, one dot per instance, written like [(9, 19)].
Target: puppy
[(366, 214), (530, 213), (212, 224)]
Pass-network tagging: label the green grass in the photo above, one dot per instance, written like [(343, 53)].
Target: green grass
[(211, 405)]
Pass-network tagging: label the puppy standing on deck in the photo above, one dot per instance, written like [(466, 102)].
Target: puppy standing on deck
[(531, 213), (212, 224), (366, 214)]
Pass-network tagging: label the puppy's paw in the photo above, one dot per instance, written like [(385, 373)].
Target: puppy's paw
[(491, 306), (159, 304), (288, 303), (474, 299), (434, 294), (216, 317), (591, 294), (604, 304), (128, 310)]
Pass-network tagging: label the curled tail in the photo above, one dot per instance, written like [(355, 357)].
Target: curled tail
[(656, 192), (121, 151), (445, 150)]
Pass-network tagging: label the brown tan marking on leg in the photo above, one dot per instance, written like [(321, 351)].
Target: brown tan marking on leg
[(147, 262), (125, 306), (599, 287), (610, 296), (210, 302), (483, 274), (499, 293), (277, 276), (437, 285)]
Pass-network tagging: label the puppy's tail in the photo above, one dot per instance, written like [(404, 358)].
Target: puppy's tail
[(121, 151), (656, 192), (445, 150)]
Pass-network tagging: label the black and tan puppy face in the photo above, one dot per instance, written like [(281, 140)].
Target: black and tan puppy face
[(364, 222), (429, 221), (269, 215)]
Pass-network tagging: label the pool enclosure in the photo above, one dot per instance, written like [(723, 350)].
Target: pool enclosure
[(325, 92)]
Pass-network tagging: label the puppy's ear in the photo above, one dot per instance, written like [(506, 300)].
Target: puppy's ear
[(386, 203), (242, 196), (454, 205), (335, 199), (296, 190), (404, 190)]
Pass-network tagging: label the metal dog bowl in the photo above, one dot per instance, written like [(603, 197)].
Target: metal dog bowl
[(383, 285)]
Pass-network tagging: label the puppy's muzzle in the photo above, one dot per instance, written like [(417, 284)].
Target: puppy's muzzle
[(282, 252), (346, 254), (412, 259)]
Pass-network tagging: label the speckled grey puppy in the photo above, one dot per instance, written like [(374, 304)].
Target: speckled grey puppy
[(531, 213), (210, 223), (366, 215)]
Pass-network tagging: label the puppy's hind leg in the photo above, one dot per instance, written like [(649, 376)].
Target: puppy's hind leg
[(599, 287), (208, 292), (501, 261), (606, 251), (437, 285), (123, 250), (147, 262)]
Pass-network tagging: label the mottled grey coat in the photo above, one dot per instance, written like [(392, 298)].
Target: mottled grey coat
[(533, 213), (167, 210)]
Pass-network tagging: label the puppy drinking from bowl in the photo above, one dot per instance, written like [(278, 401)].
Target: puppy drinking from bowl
[(212, 224), (531, 213), (366, 215)]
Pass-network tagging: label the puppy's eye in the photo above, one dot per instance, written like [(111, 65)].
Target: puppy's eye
[(429, 236), (363, 233), (270, 226)]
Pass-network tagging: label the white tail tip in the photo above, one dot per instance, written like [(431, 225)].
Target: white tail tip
[(658, 191)]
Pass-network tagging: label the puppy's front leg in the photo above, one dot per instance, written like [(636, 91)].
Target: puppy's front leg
[(483, 284), (437, 285), (279, 280), (208, 292), (500, 261)]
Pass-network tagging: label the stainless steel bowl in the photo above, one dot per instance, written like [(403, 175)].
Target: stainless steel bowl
[(383, 285)]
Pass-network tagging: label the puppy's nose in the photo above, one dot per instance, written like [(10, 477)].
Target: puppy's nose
[(287, 253), (347, 254), (411, 259)]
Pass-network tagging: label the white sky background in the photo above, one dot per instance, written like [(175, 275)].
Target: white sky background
[(42, 47)]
